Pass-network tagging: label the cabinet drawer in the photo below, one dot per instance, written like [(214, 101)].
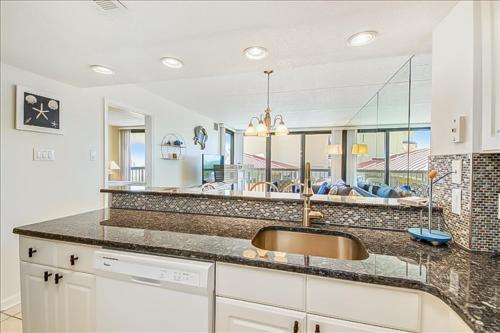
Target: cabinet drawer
[(83, 257), (37, 251), (239, 316), (318, 324), (260, 285), (360, 302)]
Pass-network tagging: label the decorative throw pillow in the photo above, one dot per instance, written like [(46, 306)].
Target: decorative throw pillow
[(324, 188)]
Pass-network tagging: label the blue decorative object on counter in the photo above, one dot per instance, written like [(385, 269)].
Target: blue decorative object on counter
[(435, 237), (177, 143)]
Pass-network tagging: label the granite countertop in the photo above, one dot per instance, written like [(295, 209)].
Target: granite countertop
[(468, 282), (255, 195)]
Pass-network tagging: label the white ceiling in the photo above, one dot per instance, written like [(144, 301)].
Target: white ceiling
[(315, 70)]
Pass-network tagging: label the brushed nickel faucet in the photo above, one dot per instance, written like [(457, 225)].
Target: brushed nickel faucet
[(308, 214)]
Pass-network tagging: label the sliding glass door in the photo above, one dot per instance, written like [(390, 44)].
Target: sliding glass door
[(281, 159), (286, 152), (254, 160), (316, 153)]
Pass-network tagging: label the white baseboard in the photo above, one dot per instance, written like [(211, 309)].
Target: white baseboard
[(10, 301)]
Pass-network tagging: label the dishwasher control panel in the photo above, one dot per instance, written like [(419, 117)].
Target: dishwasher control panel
[(189, 278)]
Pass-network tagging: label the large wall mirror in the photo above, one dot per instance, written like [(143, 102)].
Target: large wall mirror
[(390, 135)]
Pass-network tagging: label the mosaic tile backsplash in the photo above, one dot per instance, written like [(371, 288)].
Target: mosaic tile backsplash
[(392, 218), (459, 225), (485, 225), (477, 227)]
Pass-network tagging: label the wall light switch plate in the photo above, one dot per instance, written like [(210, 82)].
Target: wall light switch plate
[(44, 154), (456, 201), (458, 129), (456, 167), (93, 155)]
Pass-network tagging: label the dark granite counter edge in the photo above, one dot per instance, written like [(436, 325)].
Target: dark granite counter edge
[(343, 275), (250, 198)]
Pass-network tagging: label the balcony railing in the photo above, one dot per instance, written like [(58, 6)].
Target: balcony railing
[(137, 174), (286, 176)]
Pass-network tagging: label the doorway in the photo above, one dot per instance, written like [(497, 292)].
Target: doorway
[(127, 146)]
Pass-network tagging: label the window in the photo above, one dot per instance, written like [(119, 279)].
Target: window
[(315, 153), (229, 147), (281, 159), (285, 160), (371, 163), (254, 160), (137, 155), (395, 156)]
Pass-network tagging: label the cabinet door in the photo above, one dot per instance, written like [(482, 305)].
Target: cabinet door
[(38, 298), (76, 301), (319, 324), (239, 316)]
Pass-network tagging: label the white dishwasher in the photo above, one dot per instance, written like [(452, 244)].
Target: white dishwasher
[(146, 293)]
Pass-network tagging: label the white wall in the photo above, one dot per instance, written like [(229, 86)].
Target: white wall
[(453, 89), (37, 191), (167, 118)]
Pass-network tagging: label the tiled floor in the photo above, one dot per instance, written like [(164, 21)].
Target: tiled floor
[(11, 320)]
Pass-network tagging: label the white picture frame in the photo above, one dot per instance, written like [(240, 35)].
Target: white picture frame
[(20, 111)]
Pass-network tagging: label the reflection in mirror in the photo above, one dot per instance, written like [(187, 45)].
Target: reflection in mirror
[(391, 135)]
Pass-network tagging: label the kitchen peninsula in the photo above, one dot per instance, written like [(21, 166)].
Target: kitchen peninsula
[(428, 280)]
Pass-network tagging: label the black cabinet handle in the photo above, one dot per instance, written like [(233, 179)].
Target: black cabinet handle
[(57, 278), (296, 327), (316, 330), (46, 276), (72, 259), (31, 251)]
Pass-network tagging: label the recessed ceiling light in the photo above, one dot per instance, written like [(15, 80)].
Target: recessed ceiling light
[(102, 70), (362, 38), (256, 52), (172, 62)]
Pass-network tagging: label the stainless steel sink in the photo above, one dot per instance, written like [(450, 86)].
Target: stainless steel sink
[(310, 244)]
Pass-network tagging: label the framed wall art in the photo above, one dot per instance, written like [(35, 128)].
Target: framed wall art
[(38, 111)]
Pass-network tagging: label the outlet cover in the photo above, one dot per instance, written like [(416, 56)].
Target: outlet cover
[(456, 201), (456, 167)]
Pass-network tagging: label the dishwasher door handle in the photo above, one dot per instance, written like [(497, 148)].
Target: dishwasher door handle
[(147, 281)]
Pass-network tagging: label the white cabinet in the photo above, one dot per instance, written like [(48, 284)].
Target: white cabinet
[(38, 298), (396, 308), (55, 299), (490, 42), (76, 301), (246, 317), (254, 300), (319, 324)]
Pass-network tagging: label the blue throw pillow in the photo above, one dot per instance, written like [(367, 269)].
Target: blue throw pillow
[(324, 188), (387, 192)]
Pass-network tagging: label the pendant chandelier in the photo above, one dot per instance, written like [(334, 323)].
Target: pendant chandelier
[(265, 124)]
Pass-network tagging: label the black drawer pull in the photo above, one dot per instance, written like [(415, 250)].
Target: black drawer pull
[(31, 251), (296, 327), (46, 276), (72, 259), (316, 330), (57, 278)]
